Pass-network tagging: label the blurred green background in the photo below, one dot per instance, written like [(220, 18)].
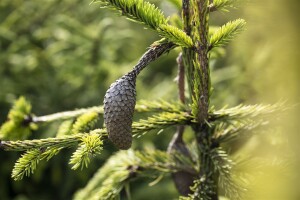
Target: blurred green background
[(63, 55)]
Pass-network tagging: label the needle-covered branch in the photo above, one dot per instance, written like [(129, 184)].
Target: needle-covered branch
[(125, 166), (173, 115), (159, 121), (221, 5), (248, 112), (226, 33), (149, 15), (141, 107)]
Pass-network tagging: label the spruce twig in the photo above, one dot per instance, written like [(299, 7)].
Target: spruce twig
[(157, 49), (226, 33), (147, 14), (23, 145), (90, 146), (141, 107), (176, 3), (221, 5), (248, 112), (125, 166), (223, 165), (159, 121)]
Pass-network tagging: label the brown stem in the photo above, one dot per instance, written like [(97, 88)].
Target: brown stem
[(180, 78), (186, 16), (202, 51), (152, 54)]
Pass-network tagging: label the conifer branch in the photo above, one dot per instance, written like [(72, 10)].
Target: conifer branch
[(91, 145), (223, 165), (226, 33), (247, 112), (66, 114), (123, 167), (65, 128), (237, 121), (239, 117), (28, 162), (157, 49), (199, 192), (201, 64), (149, 15), (141, 106), (23, 145), (85, 122), (18, 124), (175, 35), (161, 121), (26, 165), (224, 132), (176, 3), (221, 5), (137, 10)]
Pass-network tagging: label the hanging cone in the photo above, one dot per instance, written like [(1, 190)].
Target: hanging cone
[(183, 180), (120, 98), (119, 103)]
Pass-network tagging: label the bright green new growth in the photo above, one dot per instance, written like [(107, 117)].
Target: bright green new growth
[(16, 127), (176, 3), (28, 162), (91, 145), (175, 35), (85, 122), (26, 165), (149, 15), (226, 33), (137, 10), (222, 5), (65, 128)]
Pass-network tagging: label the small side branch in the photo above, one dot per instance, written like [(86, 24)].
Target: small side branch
[(155, 51)]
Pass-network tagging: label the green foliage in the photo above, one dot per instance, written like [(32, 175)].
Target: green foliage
[(176, 3), (175, 35), (147, 14), (124, 166), (142, 106), (85, 122), (223, 165), (235, 122), (222, 5), (160, 121), (91, 145), (137, 10), (23, 145), (64, 128), (226, 33), (26, 47), (18, 125), (28, 162)]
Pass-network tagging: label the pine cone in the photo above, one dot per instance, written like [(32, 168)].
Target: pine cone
[(183, 180), (119, 103), (119, 100)]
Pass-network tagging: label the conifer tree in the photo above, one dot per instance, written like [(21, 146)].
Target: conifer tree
[(200, 168)]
